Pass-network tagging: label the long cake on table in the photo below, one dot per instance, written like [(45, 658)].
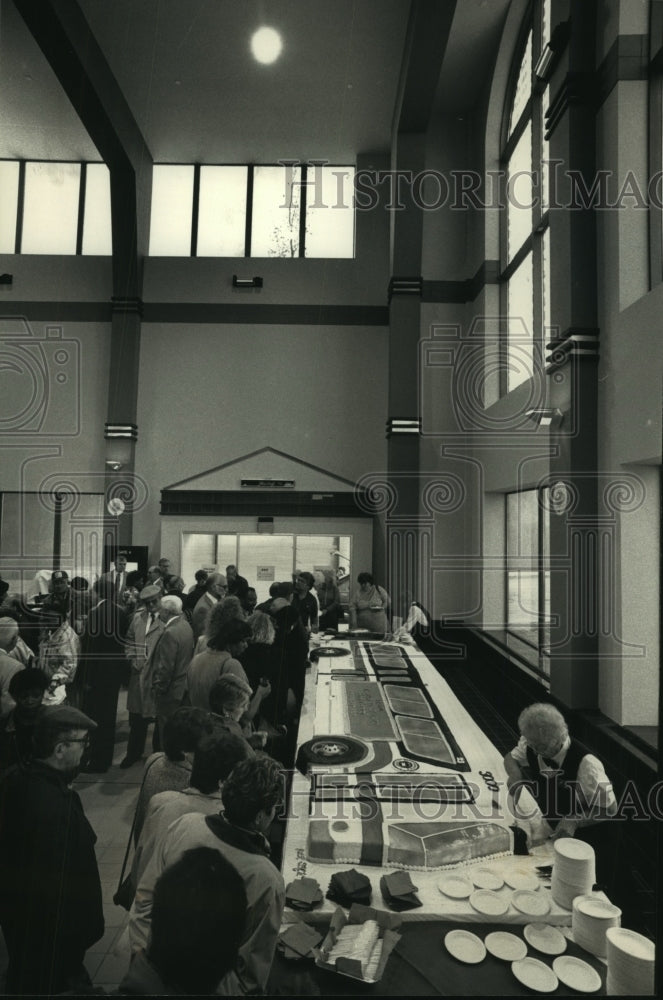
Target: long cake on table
[(376, 839)]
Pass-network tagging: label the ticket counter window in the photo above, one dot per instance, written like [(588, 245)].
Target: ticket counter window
[(266, 558)]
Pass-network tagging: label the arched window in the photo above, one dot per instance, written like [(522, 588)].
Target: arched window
[(525, 245)]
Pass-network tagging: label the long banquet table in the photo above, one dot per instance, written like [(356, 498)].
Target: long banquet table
[(356, 689)]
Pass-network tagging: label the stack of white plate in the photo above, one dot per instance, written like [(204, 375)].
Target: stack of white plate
[(574, 870), (631, 959), (592, 917)]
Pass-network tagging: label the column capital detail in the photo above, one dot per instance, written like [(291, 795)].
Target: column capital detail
[(113, 431), (121, 304), (403, 425), (578, 342), (399, 285)]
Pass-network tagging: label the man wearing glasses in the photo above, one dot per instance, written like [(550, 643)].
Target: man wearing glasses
[(50, 893)]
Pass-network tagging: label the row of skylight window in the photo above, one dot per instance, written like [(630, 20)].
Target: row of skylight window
[(204, 211)]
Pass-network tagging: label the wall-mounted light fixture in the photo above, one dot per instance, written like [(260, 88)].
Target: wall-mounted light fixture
[(546, 417), (6, 279), (112, 465), (255, 282), (551, 50)]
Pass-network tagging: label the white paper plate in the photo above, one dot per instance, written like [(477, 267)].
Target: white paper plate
[(535, 975), (533, 904), (487, 902), (506, 946), (486, 878), (576, 974), (545, 938), (573, 850), (465, 946), (521, 880), (633, 947), (598, 909), (456, 886)]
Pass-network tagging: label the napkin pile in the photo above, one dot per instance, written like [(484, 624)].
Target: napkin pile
[(398, 891), (298, 941), (346, 888), (303, 894)]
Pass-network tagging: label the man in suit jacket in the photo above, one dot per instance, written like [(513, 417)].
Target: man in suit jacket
[(238, 586), (144, 630), (117, 577), (216, 591), (172, 655), (100, 675)]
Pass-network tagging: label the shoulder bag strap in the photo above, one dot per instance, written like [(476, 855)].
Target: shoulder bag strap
[(131, 831)]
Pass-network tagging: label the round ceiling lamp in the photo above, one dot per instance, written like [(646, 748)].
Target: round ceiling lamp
[(266, 45)]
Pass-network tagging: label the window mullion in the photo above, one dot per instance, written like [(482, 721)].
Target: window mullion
[(249, 210)]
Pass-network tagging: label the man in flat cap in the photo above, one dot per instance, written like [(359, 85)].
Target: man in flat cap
[(144, 629), (50, 893), (59, 597)]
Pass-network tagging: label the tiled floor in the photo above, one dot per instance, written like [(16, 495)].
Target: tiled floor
[(109, 802)]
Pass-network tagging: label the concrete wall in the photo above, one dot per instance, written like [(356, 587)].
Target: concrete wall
[(630, 398), (210, 394)]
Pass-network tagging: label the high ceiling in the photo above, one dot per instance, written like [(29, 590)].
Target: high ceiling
[(196, 93)]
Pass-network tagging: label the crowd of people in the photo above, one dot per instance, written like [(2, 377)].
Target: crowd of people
[(168, 645), (222, 679)]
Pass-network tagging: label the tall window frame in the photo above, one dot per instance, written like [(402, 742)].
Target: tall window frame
[(528, 576), (525, 238)]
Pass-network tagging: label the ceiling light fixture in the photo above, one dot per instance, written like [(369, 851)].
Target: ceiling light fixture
[(266, 45)]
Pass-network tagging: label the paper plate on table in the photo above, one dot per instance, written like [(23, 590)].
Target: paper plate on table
[(533, 904), (486, 878), (508, 947), (456, 886), (489, 903), (576, 974), (535, 975), (465, 946), (597, 908), (545, 938), (521, 880)]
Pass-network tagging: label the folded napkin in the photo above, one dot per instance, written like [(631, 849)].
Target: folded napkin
[(346, 888), (303, 894), (398, 891), (298, 940)]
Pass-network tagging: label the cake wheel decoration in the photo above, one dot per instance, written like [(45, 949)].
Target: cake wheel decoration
[(332, 750)]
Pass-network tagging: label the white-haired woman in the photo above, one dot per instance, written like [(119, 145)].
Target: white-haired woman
[(569, 784)]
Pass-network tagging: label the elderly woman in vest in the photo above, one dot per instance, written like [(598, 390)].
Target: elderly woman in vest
[(569, 784)]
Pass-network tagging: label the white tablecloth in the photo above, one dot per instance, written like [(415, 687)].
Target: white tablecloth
[(324, 713)]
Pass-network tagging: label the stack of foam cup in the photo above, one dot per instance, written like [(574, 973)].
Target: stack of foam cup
[(631, 962), (592, 917), (574, 870)]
